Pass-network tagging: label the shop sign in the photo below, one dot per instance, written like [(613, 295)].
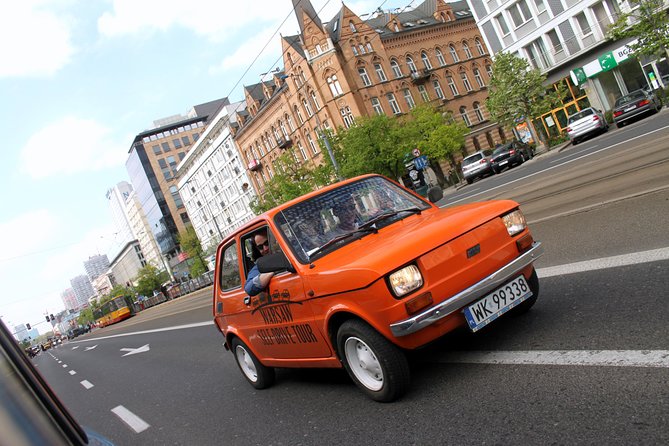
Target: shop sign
[(605, 62)]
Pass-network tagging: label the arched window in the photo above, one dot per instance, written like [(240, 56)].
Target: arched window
[(335, 87), (479, 78), (307, 107), (298, 113), (397, 71), (440, 57), (478, 112), (465, 81), (454, 54), (314, 98), (452, 86), (352, 26), (379, 72), (411, 65), (289, 120), (426, 60), (369, 47), (465, 48), (283, 129), (465, 117), (354, 49), (488, 69), (479, 46)]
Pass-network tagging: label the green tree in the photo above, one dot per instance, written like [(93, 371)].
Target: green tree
[(86, 316), (149, 279), (291, 179), (190, 243), (648, 23), (517, 93)]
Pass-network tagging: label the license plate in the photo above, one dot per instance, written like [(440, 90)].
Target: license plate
[(503, 163), (631, 107), (495, 304)]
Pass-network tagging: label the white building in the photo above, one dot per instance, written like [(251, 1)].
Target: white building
[(566, 40), (69, 299), (213, 183), (117, 197), (127, 264), (142, 232), (83, 290), (96, 265)]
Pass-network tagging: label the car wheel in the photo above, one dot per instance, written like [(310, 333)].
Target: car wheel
[(574, 142), (258, 375), (525, 306), (469, 181), (620, 124), (379, 368)]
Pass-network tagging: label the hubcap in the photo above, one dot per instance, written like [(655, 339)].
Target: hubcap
[(246, 363), (364, 364)]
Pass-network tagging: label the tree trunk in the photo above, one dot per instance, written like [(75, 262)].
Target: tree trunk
[(541, 147)]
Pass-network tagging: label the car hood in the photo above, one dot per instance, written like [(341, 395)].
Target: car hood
[(361, 262)]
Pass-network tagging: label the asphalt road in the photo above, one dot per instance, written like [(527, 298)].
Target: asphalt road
[(589, 364)]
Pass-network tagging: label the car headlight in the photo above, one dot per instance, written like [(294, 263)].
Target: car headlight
[(514, 222), (405, 280)]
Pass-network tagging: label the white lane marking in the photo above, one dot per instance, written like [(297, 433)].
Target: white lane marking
[(157, 330), (609, 358), (64, 365), (572, 155), (634, 258), (75, 347), (133, 421), (553, 167), (90, 348), (134, 351), (86, 384), (60, 362), (72, 372)]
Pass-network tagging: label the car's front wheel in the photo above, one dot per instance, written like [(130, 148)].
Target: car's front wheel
[(258, 375), (379, 368)]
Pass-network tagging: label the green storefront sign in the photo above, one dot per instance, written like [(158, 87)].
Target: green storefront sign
[(605, 62)]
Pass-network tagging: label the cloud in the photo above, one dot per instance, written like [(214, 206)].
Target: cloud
[(71, 145), (253, 45), (27, 233), (34, 41)]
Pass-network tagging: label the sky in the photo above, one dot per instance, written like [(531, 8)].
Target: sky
[(79, 80)]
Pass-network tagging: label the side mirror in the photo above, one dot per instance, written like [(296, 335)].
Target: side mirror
[(435, 194), (273, 263)]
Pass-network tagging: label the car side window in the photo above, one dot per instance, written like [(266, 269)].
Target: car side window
[(230, 277), (250, 250)]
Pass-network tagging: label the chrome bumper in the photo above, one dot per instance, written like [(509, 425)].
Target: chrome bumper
[(467, 296)]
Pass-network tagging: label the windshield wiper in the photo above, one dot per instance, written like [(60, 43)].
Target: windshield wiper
[(339, 238), (385, 215)]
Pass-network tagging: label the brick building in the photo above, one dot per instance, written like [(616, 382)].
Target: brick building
[(349, 67)]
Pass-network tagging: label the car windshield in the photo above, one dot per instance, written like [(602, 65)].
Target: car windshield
[(344, 215), (472, 159), (502, 149), (633, 96), (580, 115)]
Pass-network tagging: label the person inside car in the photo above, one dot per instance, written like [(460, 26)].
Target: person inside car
[(256, 281)]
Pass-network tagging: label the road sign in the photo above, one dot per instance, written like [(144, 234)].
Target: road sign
[(420, 162)]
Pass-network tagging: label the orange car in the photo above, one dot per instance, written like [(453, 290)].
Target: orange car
[(363, 270)]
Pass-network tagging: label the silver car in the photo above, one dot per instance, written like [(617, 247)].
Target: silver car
[(477, 165), (634, 104), (585, 123)]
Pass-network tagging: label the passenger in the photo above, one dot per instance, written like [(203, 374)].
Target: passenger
[(311, 234), (347, 215), (256, 281)]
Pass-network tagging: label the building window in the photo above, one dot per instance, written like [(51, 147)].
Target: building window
[(334, 85), (184, 217), (537, 54), (465, 117), (365, 78), (583, 24), (186, 140), (380, 73), (520, 13), (411, 65), (465, 81), (454, 54), (297, 111), (166, 147), (284, 132), (541, 7), (452, 86), (307, 108), (408, 98), (177, 143), (156, 150), (478, 112), (314, 98), (347, 116), (289, 120), (423, 93), (479, 47), (369, 47), (376, 105), (175, 196), (352, 26), (397, 71), (394, 106), (468, 52), (312, 144), (502, 24), (302, 151), (555, 41), (361, 48), (437, 89), (488, 69), (440, 57), (426, 60), (479, 78), (354, 49)]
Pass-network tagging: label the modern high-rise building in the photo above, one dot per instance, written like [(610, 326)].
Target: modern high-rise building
[(213, 182), (117, 197), (568, 41), (96, 265), (142, 231), (83, 290), (69, 299), (152, 165)]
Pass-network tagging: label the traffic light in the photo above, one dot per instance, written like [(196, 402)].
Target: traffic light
[(47, 318), (52, 318), (28, 327)]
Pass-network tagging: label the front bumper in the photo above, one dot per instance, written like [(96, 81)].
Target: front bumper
[(467, 296)]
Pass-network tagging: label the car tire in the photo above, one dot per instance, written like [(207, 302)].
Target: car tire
[(378, 367), (525, 306), (258, 375), (574, 142), (469, 181), (620, 124)]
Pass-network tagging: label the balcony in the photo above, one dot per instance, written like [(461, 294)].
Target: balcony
[(420, 77), (254, 165), (284, 143)]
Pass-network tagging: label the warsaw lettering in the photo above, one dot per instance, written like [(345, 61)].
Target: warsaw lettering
[(287, 334)]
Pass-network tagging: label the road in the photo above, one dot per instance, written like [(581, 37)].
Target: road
[(589, 364)]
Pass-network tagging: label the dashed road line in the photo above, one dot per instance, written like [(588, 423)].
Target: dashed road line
[(72, 372), (87, 385), (133, 421), (653, 255), (64, 366)]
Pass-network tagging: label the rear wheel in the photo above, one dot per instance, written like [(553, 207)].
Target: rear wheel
[(258, 375), (379, 368)]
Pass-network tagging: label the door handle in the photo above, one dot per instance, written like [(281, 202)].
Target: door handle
[(247, 300)]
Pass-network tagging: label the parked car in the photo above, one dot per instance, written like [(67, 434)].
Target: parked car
[(585, 123), (363, 270), (508, 155), (477, 165), (635, 104)]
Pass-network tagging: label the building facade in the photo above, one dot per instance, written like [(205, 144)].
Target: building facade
[(69, 299), (213, 182), (117, 197), (141, 229), (567, 41), (96, 265), (127, 264), (152, 165), (349, 67), (83, 290)]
